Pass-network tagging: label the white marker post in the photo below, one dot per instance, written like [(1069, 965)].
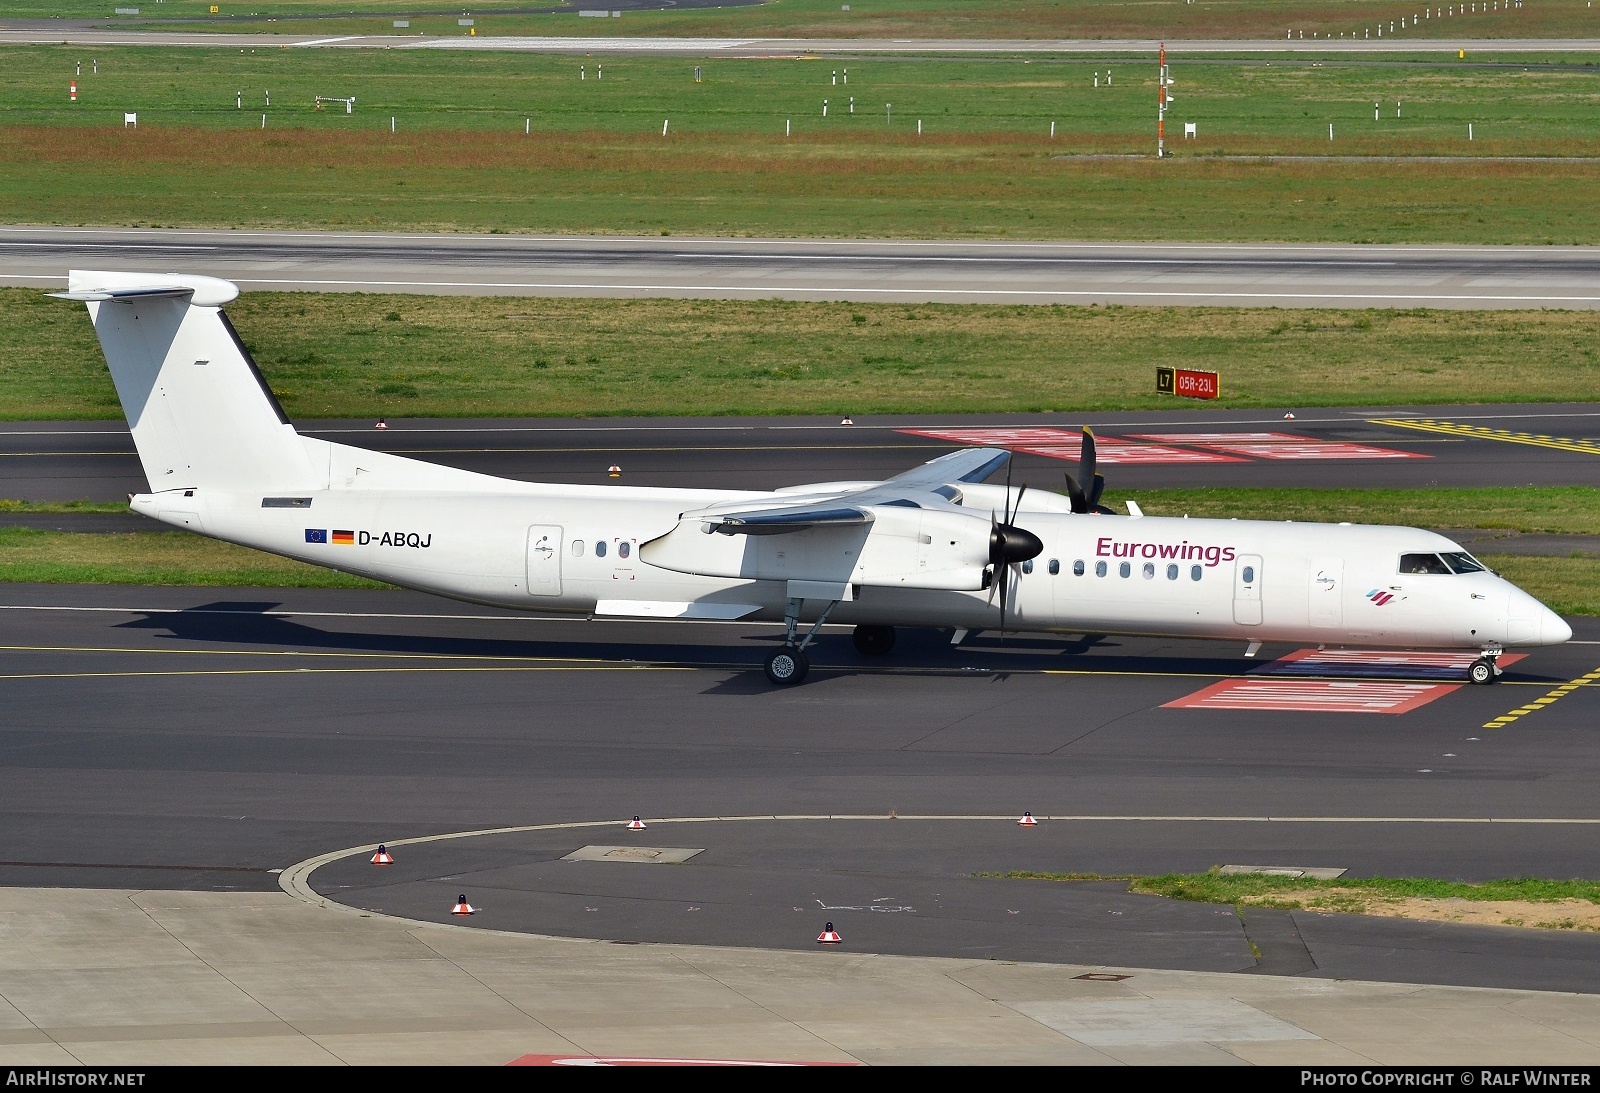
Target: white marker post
[(888, 113), (919, 127), (1469, 130), (239, 102), (1052, 130), (1330, 132), (664, 123), (269, 98), (527, 127), (785, 126), (391, 123), (824, 107), (263, 121)]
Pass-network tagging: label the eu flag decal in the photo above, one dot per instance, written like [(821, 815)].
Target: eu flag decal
[(316, 535)]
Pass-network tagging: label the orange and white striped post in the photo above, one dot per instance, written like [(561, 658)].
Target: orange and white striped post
[(72, 91)]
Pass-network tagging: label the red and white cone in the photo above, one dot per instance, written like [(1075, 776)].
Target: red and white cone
[(381, 424), (383, 857), (636, 824), (1289, 416), (829, 936), (1027, 820), (462, 907), (847, 421), (614, 471)]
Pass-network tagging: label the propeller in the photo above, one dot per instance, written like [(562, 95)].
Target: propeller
[(1009, 545), (1086, 498)]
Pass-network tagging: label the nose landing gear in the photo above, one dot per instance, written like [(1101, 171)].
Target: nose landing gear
[(1484, 670)]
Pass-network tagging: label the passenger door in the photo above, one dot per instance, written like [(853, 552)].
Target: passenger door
[(1247, 590), (544, 560)]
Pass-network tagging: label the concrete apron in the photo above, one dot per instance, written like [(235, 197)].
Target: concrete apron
[(104, 977)]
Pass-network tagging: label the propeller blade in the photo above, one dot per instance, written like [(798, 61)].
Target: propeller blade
[(1080, 504), (1099, 487), (1086, 458)]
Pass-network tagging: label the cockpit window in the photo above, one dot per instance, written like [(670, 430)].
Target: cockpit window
[(1464, 563), (1422, 563)]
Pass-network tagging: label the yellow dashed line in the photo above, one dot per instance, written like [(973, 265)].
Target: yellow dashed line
[(1484, 432), (1540, 703)]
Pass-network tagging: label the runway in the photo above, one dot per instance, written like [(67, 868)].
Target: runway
[(1240, 275), (77, 32), (1325, 447)]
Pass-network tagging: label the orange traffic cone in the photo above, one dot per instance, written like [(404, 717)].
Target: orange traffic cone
[(614, 471), (1027, 820), (462, 907), (829, 936), (636, 824), (383, 857), (381, 424)]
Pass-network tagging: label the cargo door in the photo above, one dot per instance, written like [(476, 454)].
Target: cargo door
[(544, 560), (1327, 592)]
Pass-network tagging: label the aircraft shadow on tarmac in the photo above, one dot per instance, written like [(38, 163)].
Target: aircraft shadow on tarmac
[(251, 623)]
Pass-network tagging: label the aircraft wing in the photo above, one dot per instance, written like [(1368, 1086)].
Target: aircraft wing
[(924, 487)]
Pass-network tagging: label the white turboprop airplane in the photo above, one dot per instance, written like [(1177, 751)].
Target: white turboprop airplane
[(933, 547)]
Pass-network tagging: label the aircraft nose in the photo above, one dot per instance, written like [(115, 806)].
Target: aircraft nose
[(1553, 629)]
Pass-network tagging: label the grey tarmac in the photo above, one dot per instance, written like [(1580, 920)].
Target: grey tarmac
[(909, 271)]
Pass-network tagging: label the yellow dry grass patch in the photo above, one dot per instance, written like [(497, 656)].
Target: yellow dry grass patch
[(1563, 914)]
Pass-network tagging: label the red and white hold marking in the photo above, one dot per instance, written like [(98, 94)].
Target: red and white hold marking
[(1281, 446), (1063, 444), (1341, 661), (1058, 443), (1314, 695)]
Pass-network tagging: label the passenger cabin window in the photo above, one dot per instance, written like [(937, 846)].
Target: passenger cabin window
[(1249, 575), (1027, 566), (1422, 563), (1055, 566), (600, 549), (622, 549), (1077, 568), (1099, 569), (577, 548), (1172, 572), (1195, 572), (1149, 571), (1125, 569), (1464, 563)]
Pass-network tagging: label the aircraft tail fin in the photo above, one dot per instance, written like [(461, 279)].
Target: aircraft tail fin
[(202, 414)]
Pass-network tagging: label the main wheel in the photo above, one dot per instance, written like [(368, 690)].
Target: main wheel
[(786, 666), (1481, 671), (873, 641)]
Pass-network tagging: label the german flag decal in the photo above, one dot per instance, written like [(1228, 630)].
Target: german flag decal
[(344, 538)]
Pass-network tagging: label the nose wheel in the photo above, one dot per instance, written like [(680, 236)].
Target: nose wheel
[(1483, 671)]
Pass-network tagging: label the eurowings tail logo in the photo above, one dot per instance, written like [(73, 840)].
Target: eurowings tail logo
[(1379, 596)]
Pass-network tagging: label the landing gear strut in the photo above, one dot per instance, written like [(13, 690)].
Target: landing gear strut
[(1484, 670), (788, 666)]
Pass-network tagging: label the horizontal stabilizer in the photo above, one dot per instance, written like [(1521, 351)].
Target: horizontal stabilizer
[(89, 285)]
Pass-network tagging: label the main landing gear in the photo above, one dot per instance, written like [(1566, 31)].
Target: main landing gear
[(1484, 670), (788, 665)]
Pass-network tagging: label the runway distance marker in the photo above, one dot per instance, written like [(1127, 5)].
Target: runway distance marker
[(1484, 432), (1588, 679)]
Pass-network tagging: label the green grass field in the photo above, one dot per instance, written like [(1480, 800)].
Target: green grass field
[(872, 18), (354, 355), (984, 166)]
